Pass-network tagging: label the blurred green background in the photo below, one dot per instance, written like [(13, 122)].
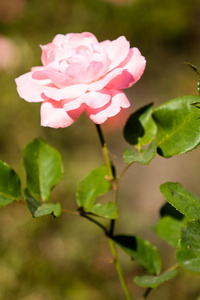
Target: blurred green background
[(68, 258)]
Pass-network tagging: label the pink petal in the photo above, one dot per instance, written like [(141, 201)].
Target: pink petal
[(133, 68), (84, 72), (101, 83), (53, 115), (59, 79), (91, 99), (97, 99), (77, 39), (100, 115), (135, 64), (30, 89), (68, 92), (117, 51), (121, 81)]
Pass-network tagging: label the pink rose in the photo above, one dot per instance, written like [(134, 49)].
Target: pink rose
[(80, 74)]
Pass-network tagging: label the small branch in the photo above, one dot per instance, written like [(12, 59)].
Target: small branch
[(84, 215), (148, 290), (119, 270), (70, 211), (123, 172)]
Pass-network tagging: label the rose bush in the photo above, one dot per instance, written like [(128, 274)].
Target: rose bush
[(80, 74)]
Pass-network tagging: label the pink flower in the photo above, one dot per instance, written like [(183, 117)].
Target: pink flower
[(80, 74)]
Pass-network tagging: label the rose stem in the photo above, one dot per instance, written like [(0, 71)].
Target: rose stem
[(112, 223)]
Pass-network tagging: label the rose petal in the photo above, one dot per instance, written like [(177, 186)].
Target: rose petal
[(59, 79), (121, 81), (101, 83), (68, 92), (100, 115), (91, 99), (53, 115), (117, 51), (30, 89), (135, 64), (77, 39)]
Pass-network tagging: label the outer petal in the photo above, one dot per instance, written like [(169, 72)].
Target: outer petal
[(117, 51), (53, 115), (135, 64), (100, 115), (30, 89), (133, 68)]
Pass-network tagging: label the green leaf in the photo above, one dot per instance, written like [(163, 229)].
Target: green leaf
[(188, 250), (143, 157), (140, 128), (39, 209), (141, 250), (10, 185), (109, 210), (178, 124), (92, 186), (43, 165), (186, 202), (168, 229), (149, 281)]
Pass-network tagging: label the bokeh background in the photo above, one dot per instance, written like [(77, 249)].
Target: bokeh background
[(68, 258)]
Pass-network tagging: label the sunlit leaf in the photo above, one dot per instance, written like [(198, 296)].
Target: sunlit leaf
[(140, 128), (188, 250), (168, 229), (10, 186), (108, 210), (143, 157), (141, 250), (187, 203), (149, 281), (178, 126), (39, 209), (43, 165), (92, 186)]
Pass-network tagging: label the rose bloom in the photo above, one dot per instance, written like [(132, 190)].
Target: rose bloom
[(80, 74)]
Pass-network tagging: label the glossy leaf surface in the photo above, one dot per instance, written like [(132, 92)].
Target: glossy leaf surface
[(108, 211), (178, 126), (140, 128), (92, 186), (141, 250), (43, 166), (184, 201), (143, 157), (188, 250), (149, 281), (168, 229), (10, 186), (39, 209)]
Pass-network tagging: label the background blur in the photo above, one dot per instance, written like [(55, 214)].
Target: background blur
[(68, 258)]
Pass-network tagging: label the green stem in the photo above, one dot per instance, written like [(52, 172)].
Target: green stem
[(105, 152), (110, 233), (119, 270), (148, 290), (123, 172)]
